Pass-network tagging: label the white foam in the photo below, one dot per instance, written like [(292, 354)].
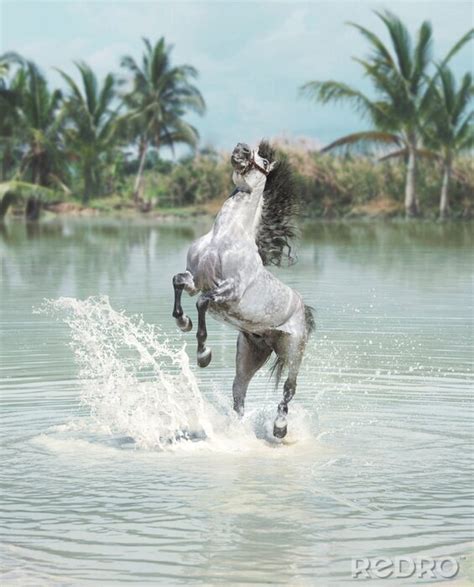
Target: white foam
[(139, 387)]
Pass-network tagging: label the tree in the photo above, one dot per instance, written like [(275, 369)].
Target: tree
[(39, 128), (160, 97), (30, 129), (12, 81), (449, 130), (91, 130), (402, 86)]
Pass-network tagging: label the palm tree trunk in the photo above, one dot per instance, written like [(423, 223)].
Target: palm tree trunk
[(411, 204), (35, 172), (88, 183), (444, 200), (5, 202), (7, 162), (138, 180), (33, 203), (33, 209)]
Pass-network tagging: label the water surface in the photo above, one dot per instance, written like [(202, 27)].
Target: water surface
[(378, 460)]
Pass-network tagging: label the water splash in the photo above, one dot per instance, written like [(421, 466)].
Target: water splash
[(142, 393), (134, 382)]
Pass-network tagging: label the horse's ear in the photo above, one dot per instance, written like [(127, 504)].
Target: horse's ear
[(272, 166)]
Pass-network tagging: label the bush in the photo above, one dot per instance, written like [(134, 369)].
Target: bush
[(329, 186)]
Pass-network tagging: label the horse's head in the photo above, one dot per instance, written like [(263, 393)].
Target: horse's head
[(250, 169)]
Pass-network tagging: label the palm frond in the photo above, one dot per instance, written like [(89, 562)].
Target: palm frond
[(89, 82), (332, 91), (400, 40), (394, 155), (422, 56), (24, 190), (465, 133), (381, 53), (469, 36), (160, 97), (425, 153), (363, 141), (464, 96), (71, 83)]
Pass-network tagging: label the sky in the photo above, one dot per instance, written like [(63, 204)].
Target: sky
[(252, 56)]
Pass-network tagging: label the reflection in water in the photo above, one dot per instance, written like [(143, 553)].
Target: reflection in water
[(376, 463), (393, 234)]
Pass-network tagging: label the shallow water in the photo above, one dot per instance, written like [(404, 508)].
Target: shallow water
[(97, 487)]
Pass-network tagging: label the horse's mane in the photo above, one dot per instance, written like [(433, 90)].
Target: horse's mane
[(280, 206)]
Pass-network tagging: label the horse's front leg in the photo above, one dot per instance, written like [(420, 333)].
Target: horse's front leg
[(182, 281), (204, 353), (224, 292)]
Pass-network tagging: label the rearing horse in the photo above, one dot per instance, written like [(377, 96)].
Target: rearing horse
[(227, 265)]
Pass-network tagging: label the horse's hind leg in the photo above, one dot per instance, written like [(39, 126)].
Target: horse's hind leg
[(252, 353), (182, 281), (290, 351)]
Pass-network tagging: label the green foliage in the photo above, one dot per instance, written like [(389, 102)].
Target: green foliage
[(449, 129), (160, 97), (339, 187), (330, 187), (398, 75), (91, 132), (193, 181), (405, 95), (78, 142), (30, 130), (18, 193), (105, 144)]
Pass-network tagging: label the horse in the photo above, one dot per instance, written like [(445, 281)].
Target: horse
[(228, 267)]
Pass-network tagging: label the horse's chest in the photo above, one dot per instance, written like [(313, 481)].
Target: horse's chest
[(208, 270)]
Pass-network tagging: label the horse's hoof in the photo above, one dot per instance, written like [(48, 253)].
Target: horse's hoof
[(204, 358), (280, 428), (185, 324), (239, 410)]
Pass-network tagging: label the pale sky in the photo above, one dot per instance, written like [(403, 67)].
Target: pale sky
[(252, 55)]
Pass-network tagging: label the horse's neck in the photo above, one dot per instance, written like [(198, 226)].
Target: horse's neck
[(240, 214)]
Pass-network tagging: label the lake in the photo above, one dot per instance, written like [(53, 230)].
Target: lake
[(99, 487)]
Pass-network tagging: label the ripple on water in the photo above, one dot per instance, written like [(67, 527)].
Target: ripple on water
[(136, 469)]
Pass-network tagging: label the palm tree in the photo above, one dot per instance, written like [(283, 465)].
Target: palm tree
[(6, 61), (91, 130), (402, 86), (12, 82), (450, 130), (30, 131), (161, 95), (40, 128)]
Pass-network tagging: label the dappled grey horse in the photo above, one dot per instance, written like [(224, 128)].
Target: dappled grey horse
[(227, 265)]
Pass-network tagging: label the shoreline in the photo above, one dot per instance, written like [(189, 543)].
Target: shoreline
[(165, 215), (379, 210)]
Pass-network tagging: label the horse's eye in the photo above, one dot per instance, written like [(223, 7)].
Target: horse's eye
[(265, 163)]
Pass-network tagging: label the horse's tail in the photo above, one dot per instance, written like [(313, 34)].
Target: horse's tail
[(309, 319), (276, 370), (280, 362)]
